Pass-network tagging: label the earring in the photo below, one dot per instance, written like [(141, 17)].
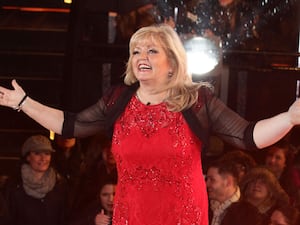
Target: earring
[(170, 74)]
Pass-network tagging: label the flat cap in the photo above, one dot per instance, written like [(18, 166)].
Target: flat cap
[(37, 143)]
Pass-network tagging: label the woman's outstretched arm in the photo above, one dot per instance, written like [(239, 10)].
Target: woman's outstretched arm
[(16, 98), (271, 130)]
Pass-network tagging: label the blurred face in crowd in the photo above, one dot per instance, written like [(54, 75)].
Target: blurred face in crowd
[(216, 184), (107, 195), (257, 192), (276, 160), (65, 143), (278, 218), (39, 161)]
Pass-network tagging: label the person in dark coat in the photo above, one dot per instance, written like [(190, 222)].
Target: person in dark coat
[(100, 210), (226, 206), (38, 195), (261, 189)]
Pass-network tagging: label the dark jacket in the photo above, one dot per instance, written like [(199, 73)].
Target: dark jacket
[(26, 210), (242, 213), (3, 210), (87, 214)]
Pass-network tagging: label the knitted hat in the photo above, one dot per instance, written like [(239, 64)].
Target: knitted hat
[(37, 143)]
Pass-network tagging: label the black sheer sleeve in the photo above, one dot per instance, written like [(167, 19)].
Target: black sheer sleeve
[(87, 122), (218, 119), (101, 116)]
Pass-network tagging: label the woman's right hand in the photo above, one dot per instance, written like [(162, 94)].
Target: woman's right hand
[(11, 97), (102, 219)]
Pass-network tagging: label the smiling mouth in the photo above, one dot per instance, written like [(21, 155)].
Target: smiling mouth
[(144, 67)]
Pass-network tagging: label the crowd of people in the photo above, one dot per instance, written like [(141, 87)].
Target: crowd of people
[(55, 190), (51, 188), (244, 189)]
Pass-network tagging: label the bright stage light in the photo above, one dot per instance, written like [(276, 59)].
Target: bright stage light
[(204, 55)]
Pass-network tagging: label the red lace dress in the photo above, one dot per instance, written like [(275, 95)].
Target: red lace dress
[(159, 169)]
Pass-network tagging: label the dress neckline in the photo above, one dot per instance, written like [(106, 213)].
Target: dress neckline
[(137, 99)]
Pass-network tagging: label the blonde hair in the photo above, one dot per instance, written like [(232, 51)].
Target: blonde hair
[(182, 91)]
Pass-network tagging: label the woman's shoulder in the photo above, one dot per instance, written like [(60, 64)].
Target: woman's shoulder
[(205, 92), (117, 91)]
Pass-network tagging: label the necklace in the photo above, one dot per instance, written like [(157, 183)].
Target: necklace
[(155, 98), (139, 98)]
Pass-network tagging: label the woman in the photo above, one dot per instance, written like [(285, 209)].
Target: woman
[(280, 160), (99, 211), (38, 195), (159, 120), (260, 188)]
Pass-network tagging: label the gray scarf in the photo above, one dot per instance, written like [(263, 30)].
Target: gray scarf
[(37, 188)]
